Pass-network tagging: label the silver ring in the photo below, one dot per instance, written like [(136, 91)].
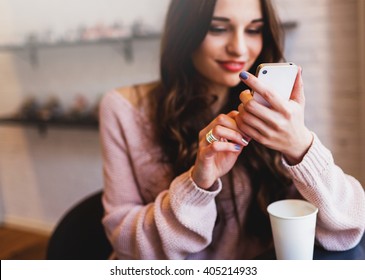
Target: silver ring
[(210, 137), (245, 142)]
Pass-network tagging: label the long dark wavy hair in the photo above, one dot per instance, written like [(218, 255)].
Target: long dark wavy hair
[(182, 106)]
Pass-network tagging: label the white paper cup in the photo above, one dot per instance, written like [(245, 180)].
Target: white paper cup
[(293, 224)]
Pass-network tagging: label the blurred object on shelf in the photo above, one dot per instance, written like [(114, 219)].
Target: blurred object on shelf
[(93, 33), (118, 30), (139, 28), (80, 108), (51, 110), (48, 37), (101, 31), (31, 39), (28, 109), (115, 33), (70, 36)]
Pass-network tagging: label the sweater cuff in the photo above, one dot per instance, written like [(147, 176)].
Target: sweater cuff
[(183, 190), (314, 163)]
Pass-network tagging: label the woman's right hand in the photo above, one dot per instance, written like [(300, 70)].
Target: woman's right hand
[(217, 158)]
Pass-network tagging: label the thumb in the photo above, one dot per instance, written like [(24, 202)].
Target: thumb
[(297, 93)]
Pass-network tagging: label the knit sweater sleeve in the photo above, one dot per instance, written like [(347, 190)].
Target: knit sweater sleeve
[(177, 223), (339, 197)]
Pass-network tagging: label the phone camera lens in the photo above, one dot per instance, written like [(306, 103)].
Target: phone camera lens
[(264, 72)]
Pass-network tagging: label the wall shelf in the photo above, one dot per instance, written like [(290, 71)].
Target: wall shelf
[(43, 125), (123, 45)]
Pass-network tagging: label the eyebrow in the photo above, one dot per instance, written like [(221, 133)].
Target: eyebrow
[(228, 20)]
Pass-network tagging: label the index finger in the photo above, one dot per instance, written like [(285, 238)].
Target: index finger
[(259, 87)]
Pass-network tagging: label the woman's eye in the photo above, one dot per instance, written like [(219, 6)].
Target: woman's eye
[(217, 29), (254, 31)]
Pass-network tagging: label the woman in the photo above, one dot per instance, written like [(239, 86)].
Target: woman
[(171, 190)]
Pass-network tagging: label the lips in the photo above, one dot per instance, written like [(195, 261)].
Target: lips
[(232, 66)]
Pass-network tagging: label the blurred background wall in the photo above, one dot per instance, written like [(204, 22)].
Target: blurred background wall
[(42, 175)]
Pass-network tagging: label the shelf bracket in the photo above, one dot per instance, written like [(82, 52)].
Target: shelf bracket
[(125, 49), (128, 49), (33, 56)]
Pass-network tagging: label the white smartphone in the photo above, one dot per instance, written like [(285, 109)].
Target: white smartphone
[(279, 77)]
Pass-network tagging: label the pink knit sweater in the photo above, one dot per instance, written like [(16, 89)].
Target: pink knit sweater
[(150, 215)]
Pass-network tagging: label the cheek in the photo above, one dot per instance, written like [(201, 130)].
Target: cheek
[(203, 55), (256, 48), (206, 50), (211, 47)]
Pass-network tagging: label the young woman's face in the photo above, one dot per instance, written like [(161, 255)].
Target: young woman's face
[(232, 44)]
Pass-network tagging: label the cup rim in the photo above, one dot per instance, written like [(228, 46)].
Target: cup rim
[(315, 209)]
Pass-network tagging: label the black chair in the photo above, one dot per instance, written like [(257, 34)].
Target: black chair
[(80, 235)]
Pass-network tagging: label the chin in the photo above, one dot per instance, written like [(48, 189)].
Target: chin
[(232, 81)]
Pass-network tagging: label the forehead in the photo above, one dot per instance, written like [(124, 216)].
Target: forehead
[(238, 10)]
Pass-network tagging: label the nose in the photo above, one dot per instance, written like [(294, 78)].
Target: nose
[(237, 45)]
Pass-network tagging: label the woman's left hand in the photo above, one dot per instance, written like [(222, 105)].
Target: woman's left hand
[(280, 127)]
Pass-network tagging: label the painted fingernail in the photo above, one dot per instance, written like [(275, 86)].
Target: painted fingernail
[(244, 75), (237, 147)]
